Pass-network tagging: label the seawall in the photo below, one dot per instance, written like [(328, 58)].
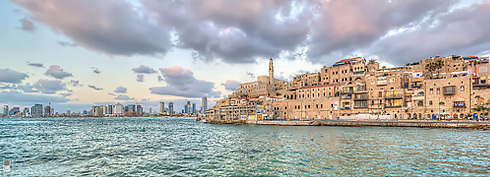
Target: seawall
[(380, 123)]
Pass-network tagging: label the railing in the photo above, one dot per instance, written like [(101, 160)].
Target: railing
[(395, 96), (361, 97), (382, 82)]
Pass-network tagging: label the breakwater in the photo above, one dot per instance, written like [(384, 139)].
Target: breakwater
[(483, 125)]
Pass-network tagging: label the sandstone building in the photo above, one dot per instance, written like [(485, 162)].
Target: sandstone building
[(452, 87)]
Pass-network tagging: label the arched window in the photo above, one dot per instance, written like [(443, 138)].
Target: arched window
[(462, 88), (430, 102)]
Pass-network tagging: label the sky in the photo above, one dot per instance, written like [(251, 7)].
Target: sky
[(80, 53)]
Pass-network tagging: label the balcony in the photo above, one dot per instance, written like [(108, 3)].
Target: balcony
[(416, 86), (392, 106), (459, 104), (449, 90), (394, 96), (361, 97), (382, 82), (346, 97)]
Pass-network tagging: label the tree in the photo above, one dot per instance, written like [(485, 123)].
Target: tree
[(384, 67), (434, 67), (372, 61)]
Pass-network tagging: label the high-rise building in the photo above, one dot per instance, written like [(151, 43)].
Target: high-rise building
[(110, 109), (47, 111), (162, 107), (14, 111), (170, 108), (6, 110), (118, 109), (187, 107), (37, 110), (68, 113), (98, 111), (26, 111), (204, 104), (139, 110), (150, 110), (193, 108)]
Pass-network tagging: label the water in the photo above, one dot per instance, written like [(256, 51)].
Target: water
[(183, 147)]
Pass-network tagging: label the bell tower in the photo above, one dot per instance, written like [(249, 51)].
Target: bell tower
[(271, 72)]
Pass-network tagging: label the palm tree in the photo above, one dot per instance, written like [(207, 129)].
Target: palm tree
[(372, 61)]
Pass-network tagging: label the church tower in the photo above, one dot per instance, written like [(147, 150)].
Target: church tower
[(271, 72)]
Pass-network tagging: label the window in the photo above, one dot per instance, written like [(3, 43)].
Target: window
[(430, 102), (462, 88), (483, 70)]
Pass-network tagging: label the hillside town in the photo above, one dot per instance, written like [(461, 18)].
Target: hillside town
[(443, 88)]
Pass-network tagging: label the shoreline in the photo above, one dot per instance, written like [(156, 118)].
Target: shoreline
[(463, 124)]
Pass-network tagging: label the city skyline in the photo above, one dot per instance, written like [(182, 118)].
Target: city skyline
[(142, 54)]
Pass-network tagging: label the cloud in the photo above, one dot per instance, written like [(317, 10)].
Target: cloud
[(231, 85), (57, 72), (26, 88), (462, 32), (27, 25), (112, 27), (251, 75), (49, 86), (181, 82), (235, 31), (140, 78), (142, 69), (66, 94), (95, 70), (11, 76), (123, 97), (121, 89), (75, 83), (39, 65), (15, 97), (66, 44), (95, 88)]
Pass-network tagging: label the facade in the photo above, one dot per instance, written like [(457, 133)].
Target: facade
[(6, 110), (452, 87), (37, 110), (162, 107), (118, 109), (47, 111), (14, 111), (170, 108), (204, 104), (193, 110)]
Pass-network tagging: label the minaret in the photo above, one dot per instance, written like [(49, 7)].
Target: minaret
[(271, 72)]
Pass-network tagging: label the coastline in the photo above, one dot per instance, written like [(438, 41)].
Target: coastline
[(464, 124)]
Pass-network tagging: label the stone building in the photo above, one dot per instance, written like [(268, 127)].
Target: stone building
[(438, 87)]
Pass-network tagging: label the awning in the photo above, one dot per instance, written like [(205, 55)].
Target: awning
[(458, 100)]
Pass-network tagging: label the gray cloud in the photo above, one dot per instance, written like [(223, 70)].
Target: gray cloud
[(11, 76), (15, 97), (142, 69), (66, 44), (462, 32), (236, 31), (181, 82), (231, 85), (123, 97), (95, 88), (251, 74), (27, 25), (140, 78), (26, 88), (113, 27), (39, 65), (95, 70), (57, 72), (49, 86), (121, 89), (66, 94), (75, 83)]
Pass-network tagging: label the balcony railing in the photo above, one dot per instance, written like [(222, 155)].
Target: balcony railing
[(382, 82), (361, 97), (392, 106), (395, 96), (449, 90)]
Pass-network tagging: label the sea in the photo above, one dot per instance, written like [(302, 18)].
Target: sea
[(184, 147)]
